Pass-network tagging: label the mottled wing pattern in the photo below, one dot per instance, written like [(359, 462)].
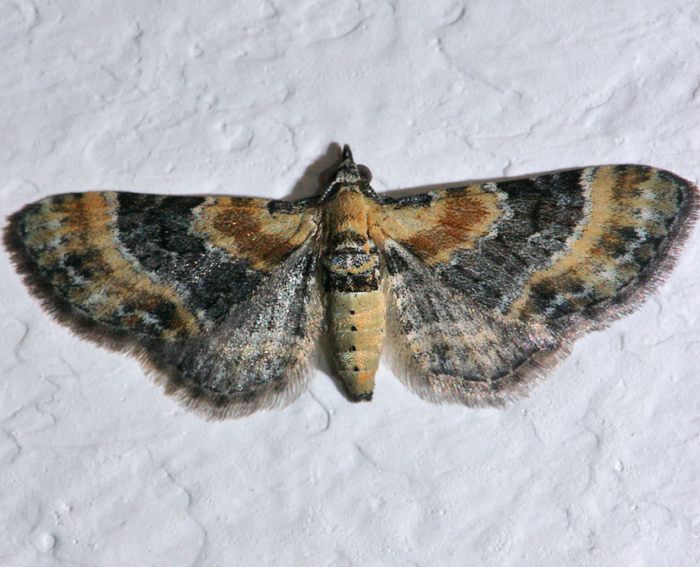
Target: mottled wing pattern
[(526, 266), (165, 276), (449, 347), (259, 354)]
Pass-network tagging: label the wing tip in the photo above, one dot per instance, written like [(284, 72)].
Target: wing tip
[(53, 303), (658, 270)]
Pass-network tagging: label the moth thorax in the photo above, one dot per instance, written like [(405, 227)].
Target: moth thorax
[(357, 328)]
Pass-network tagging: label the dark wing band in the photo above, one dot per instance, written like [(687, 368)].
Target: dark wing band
[(553, 255), (151, 274)]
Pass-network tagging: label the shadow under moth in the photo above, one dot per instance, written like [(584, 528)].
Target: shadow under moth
[(479, 289)]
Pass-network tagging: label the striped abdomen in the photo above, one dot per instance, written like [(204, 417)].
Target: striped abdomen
[(356, 306)]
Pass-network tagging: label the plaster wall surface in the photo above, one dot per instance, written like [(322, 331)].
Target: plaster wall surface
[(599, 466)]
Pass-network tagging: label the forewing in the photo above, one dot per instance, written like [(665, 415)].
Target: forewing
[(636, 219), (551, 256), (152, 274)]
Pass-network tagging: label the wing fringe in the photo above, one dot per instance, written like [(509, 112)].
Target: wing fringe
[(511, 387)]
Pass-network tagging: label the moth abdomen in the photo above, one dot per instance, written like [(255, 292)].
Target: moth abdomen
[(358, 328), (356, 303), (357, 310)]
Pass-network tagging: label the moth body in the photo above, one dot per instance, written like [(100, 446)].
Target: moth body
[(484, 286), (356, 303)]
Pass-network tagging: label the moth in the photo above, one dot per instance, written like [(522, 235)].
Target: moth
[(480, 289)]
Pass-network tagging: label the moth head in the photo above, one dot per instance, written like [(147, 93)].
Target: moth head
[(348, 172), (348, 177)]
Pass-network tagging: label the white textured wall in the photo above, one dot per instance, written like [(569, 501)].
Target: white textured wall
[(599, 467)]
